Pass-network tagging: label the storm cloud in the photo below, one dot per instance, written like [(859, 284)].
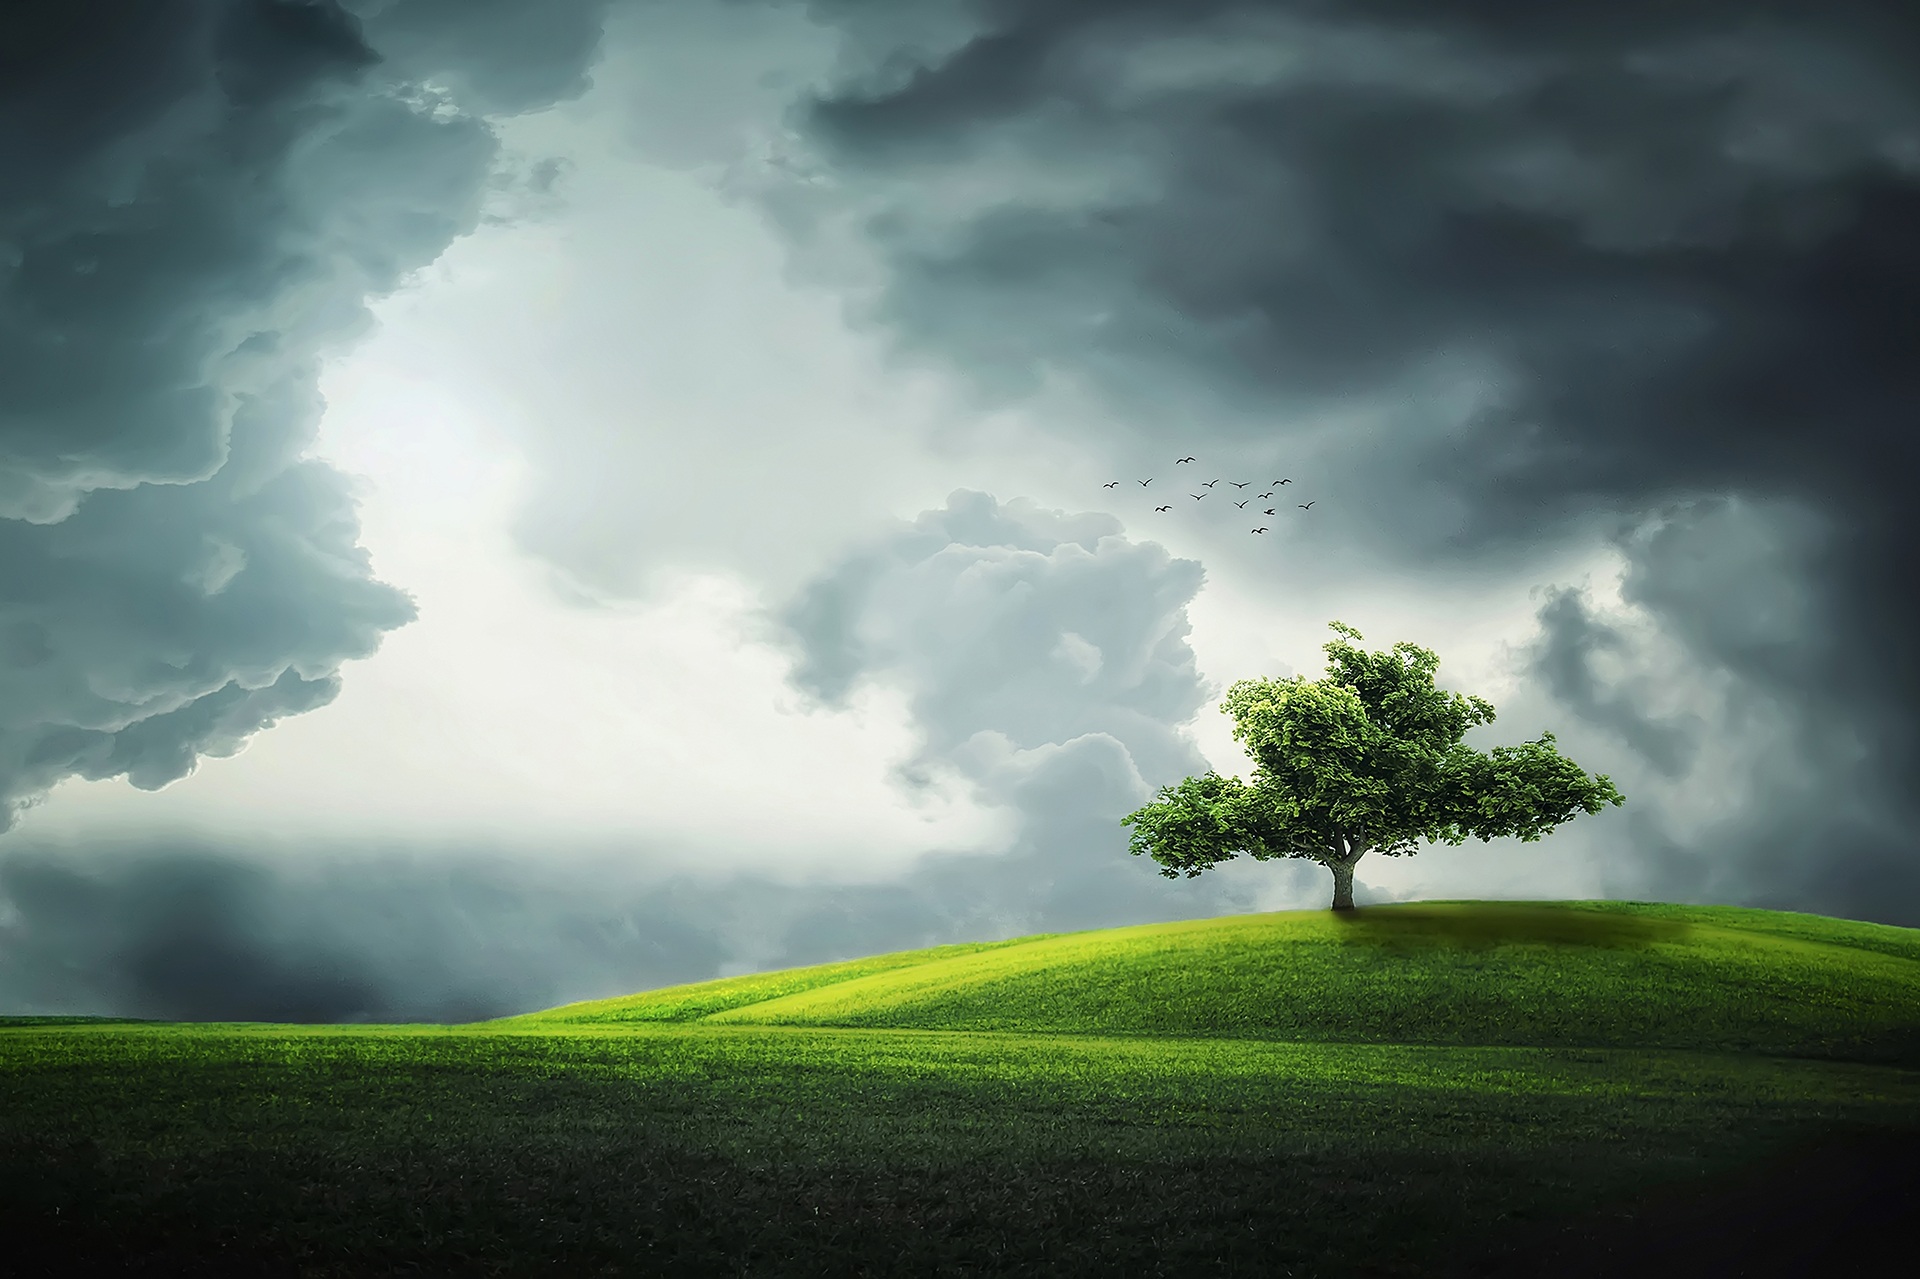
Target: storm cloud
[(1034, 625), (1508, 282), (204, 931), (1044, 657), (201, 197), (1592, 274)]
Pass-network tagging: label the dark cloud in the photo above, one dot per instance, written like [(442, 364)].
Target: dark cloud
[(201, 197), (1032, 627), (1768, 782), (206, 933), (494, 57), (1571, 638), (1570, 264), (1580, 268), (1044, 657)]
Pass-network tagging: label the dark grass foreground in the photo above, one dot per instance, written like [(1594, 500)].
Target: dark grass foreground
[(1727, 1091)]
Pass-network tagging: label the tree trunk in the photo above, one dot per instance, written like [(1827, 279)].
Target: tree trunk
[(1342, 869)]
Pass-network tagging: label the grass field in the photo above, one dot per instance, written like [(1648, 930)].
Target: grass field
[(1433, 1088)]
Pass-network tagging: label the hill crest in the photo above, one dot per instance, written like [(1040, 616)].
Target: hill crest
[(1572, 974)]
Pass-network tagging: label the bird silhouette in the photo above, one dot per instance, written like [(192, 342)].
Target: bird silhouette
[(1143, 483), (1196, 496), (1268, 511), (1237, 484), (1209, 484), (1242, 505), (1178, 460), (1278, 483), (1266, 495), (1259, 530), (1163, 508), (1305, 505), (1108, 486)]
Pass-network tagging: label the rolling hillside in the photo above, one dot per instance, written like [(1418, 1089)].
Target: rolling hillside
[(1468, 1090), (1562, 974)]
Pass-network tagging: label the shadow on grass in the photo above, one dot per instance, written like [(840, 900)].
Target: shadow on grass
[(1480, 925), (1829, 1204), (1841, 1203)]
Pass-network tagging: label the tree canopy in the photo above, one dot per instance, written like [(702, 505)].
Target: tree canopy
[(1367, 758)]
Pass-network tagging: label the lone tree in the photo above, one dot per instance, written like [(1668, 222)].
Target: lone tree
[(1367, 758)]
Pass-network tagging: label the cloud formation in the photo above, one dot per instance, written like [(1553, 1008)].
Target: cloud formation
[(1035, 625), (1045, 657), (1571, 265), (202, 197), (1760, 772), (206, 932), (1621, 275)]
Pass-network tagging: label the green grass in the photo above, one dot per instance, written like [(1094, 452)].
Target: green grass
[(1399, 1092), (1582, 974), (686, 1003)]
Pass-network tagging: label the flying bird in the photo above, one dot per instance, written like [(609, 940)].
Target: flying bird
[(1143, 483), (1278, 483), (1237, 484), (1196, 496), (1259, 530), (1266, 495), (1242, 505), (1108, 486), (1178, 460), (1305, 505), (1163, 508), (1269, 511), (1209, 484)]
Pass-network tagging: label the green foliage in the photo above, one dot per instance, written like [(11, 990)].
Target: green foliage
[(1368, 758)]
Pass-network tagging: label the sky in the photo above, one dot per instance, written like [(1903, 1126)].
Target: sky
[(505, 502)]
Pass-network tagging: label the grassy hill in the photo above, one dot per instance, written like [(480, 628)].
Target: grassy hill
[(1575, 974), (1419, 1088)]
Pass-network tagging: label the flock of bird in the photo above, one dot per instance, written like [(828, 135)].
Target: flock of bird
[(1274, 486)]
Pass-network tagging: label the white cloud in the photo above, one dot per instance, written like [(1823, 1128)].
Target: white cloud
[(508, 714)]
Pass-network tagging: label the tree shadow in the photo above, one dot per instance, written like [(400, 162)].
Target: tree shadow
[(1480, 925)]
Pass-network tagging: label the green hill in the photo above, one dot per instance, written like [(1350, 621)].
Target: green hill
[(1455, 1089), (1542, 974)]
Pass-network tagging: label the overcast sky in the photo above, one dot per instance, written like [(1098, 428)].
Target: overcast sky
[(508, 502)]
